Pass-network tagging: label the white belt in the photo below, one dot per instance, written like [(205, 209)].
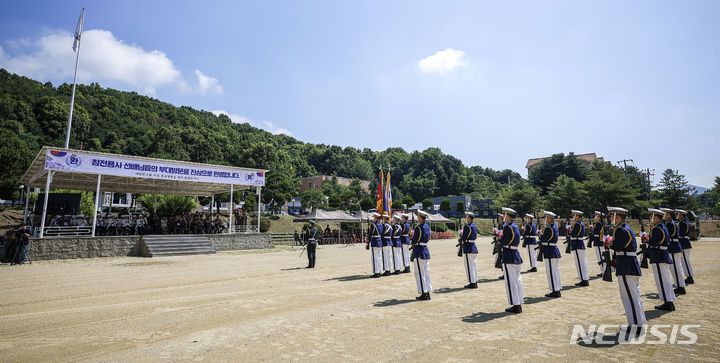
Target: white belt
[(662, 247), (375, 236), (470, 240), (576, 239), (550, 244), (422, 244), (623, 253), (405, 235), (511, 247)]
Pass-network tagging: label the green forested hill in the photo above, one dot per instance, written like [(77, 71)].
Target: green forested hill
[(33, 114)]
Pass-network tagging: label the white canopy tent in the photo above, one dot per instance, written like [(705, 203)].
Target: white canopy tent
[(95, 171)]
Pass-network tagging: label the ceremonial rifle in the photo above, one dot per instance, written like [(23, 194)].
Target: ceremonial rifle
[(589, 233), (643, 247), (497, 248), (607, 274), (460, 243), (567, 239), (539, 244)]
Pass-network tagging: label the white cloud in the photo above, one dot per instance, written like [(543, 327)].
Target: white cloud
[(443, 61), (103, 58), (265, 125), (206, 83)]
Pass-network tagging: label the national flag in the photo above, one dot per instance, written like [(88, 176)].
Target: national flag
[(78, 30), (388, 194), (380, 195)]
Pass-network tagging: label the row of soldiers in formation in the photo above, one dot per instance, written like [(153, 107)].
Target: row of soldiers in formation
[(395, 246)]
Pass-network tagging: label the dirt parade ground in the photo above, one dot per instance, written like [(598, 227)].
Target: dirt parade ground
[(263, 306)]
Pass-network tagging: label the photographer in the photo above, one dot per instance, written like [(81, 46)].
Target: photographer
[(10, 242), (22, 237)]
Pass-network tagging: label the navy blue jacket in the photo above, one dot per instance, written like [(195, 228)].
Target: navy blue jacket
[(387, 235), (658, 244), (375, 234), (550, 236), (421, 236), (469, 234), (530, 232), (597, 236), (396, 232), (405, 236), (684, 232), (576, 235), (624, 241), (674, 243), (510, 241)]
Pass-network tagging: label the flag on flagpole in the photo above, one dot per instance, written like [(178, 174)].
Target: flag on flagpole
[(78, 30), (388, 194), (381, 192)]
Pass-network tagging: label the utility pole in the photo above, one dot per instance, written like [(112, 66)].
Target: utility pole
[(624, 162)]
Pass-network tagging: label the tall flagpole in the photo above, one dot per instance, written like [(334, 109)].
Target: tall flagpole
[(78, 35)]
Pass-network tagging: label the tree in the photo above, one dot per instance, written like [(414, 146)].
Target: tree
[(335, 202), (408, 200), (460, 207), (397, 204), (521, 197), (168, 205), (548, 170), (357, 189), (606, 186), (312, 199), (563, 195), (366, 204), (674, 190), (14, 155), (279, 189), (713, 196), (445, 205), (427, 204)]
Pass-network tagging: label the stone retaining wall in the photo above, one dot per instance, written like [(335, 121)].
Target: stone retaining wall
[(239, 241), (83, 247), (58, 248)]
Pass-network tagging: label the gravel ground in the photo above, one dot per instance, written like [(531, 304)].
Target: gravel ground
[(266, 307)]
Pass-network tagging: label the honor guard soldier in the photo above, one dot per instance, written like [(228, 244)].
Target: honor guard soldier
[(551, 254), (387, 245), (660, 259), (675, 251), (684, 238), (511, 261), (311, 244), (627, 268), (405, 240), (469, 250), (375, 243), (577, 247), (421, 257), (597, 240), (530, 242), (396, 244)]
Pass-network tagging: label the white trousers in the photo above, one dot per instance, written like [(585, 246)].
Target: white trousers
[(422, 275), (397, 258), (406, 255), (387, 258), (533, 255), (630, 295), (663, 282), (677, 269), (598, 254), (470, 262), (513, 283), (552, 270), (581, 264), (376, 256), (687, 266)]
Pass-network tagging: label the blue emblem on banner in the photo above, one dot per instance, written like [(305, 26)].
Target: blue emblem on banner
[(73, 160), (249, 177)]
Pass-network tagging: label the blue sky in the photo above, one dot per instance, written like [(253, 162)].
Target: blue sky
[(492, 83)]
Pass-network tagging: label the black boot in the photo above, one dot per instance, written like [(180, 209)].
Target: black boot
[(501, 277), (599, 275), (423, 296), (680, 291), (396, 272), (406, 270), (375, 275), (517, 309), (583, 283), (689, 280), (553, 294), (387, 273), (534, 269), (668, 305), (471, 285)]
